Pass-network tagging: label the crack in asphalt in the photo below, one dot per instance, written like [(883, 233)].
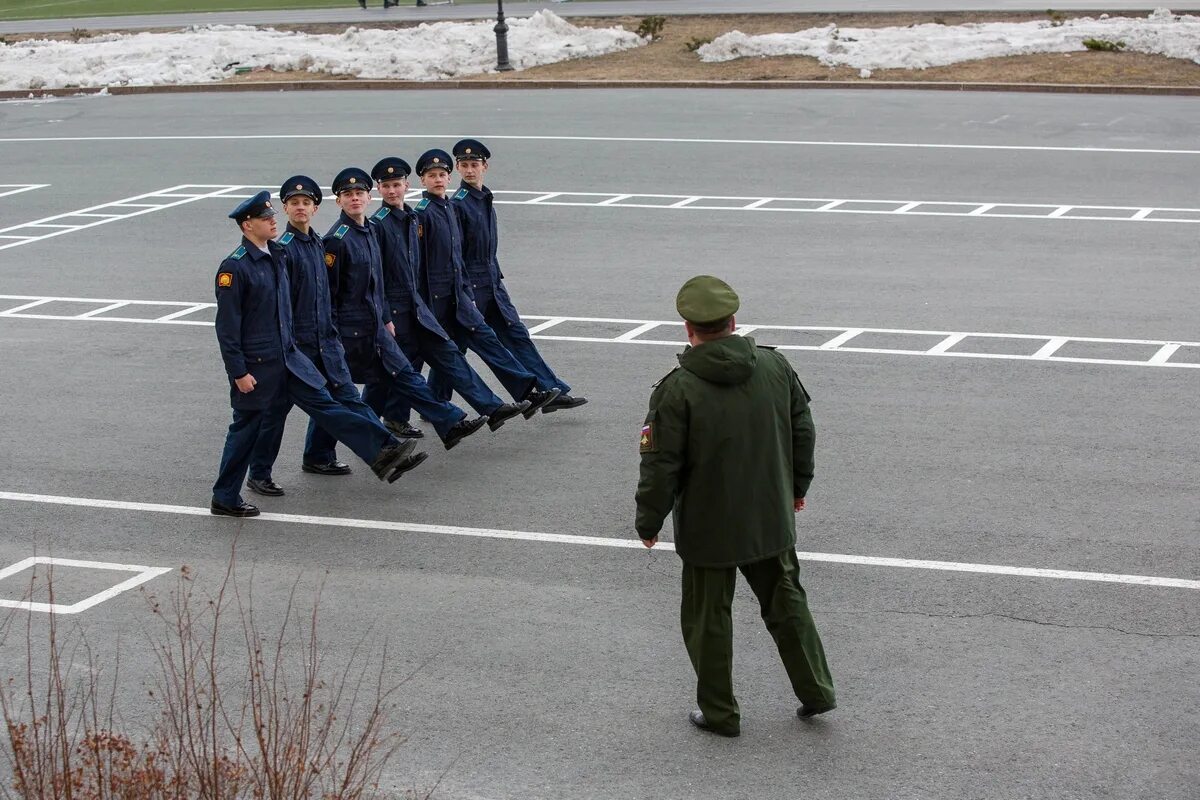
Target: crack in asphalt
[(1015, 618)]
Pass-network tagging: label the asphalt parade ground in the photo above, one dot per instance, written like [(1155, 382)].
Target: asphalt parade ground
[(991, 298)]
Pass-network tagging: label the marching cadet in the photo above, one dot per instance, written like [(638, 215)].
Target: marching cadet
[(445, 290), (485, 281), (365, 325), (266, 368), (418, 333)]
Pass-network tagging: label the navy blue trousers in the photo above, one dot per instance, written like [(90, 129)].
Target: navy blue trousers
[(422, 347), (483, 341), (516, 339), (317, 449), (366, 437)]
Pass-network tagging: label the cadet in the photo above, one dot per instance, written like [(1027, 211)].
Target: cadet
[(418, 333), (254, 331), (485, 281), (444, 286), (727, 448), (362, 319)]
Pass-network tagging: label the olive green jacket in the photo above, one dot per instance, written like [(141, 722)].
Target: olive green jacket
[(727, 446)]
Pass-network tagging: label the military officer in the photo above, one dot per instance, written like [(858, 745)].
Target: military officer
[(258, 347), (727, 448), (418, 333), (445, 290), (364, 322), (485, 281)]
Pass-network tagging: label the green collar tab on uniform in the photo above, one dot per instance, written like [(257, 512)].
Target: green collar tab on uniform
[(287, 238), (460, 194), (341, 231), (241, 251), (422, 205), (382, 212)]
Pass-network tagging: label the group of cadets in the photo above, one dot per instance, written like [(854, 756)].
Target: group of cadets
[(302, 318)]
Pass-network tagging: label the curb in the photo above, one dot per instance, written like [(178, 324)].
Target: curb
[(360, 85)]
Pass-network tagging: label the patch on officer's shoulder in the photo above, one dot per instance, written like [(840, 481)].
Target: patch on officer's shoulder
[(236, 254), (330, 258), (341, 231), (224, 280), (287, 238), (646, 442), (460, 194), (421, 206), (381, 213)]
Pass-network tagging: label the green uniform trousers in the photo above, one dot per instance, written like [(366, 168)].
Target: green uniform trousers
[(706, 616)]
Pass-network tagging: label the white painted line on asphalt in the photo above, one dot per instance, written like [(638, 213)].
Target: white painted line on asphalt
[(7, 189), (131, 208), (764, 334), (143, 575), (637, 139), (598, 541)]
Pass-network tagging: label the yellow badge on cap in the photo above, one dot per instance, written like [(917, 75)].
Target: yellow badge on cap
[(225, 279), (468, 151), (354, 180), (299, 187), (391, 170), (436, 160), (329, 259)]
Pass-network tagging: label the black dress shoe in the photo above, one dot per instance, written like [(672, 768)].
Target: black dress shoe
[(461, 430), (697, 719), (564, 401), (390, 456), (504, 413), (404, 430), (265, 487), (538, 399), (805, 712), (332, 468), (407, 463), (242, 509)]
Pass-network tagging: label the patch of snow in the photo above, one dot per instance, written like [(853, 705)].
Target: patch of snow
[(932, 45), (201, 54)]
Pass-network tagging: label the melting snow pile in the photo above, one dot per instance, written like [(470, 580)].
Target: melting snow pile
[(921, 46), (209, 53)]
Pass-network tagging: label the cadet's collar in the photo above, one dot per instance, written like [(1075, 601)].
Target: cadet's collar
[(346, 220), (433, 198), (292, 229), (254, 251), (479, 193)]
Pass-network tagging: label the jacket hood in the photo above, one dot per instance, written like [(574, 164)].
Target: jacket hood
[(729, 360)]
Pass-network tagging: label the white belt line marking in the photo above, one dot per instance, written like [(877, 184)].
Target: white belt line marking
[(1161, 357), (602, 541), (644, 139)]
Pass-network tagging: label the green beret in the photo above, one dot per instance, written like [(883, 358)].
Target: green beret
[(704, 299)]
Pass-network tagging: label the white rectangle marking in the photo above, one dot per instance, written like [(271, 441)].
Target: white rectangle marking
[(101, 310), (602, 541), (541, 326), (946, 344), (614, 199), (183, 312), (34, 304), (1164, 353), (143, 575), (630, 336), (841, 339), (1050, 347), (7, 189)]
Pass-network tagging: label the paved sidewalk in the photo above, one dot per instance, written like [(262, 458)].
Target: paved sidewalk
[(351, 13)]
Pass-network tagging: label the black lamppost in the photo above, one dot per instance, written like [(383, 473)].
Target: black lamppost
[(501, 30)]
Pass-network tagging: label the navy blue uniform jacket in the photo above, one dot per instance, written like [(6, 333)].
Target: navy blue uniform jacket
[(400, 247), (359, 312), (477, 218), (442, 280), (312, 315), (254, 326)]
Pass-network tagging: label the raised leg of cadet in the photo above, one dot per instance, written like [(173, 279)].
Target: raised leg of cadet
[(776, 583), (320, 448), (517, 380), (369, 440), (706, 618), (515, 338), (235, 460), (409, 385), (445, 358)]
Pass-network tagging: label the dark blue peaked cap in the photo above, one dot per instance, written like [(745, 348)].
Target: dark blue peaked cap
[(256, 207), (434, 159), (351, 178), (468, 149), (300, 184), (391, 169)]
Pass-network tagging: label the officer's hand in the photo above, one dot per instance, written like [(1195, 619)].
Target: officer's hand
[(246, 383), (800, 504), (391, 328), (650, 542)]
